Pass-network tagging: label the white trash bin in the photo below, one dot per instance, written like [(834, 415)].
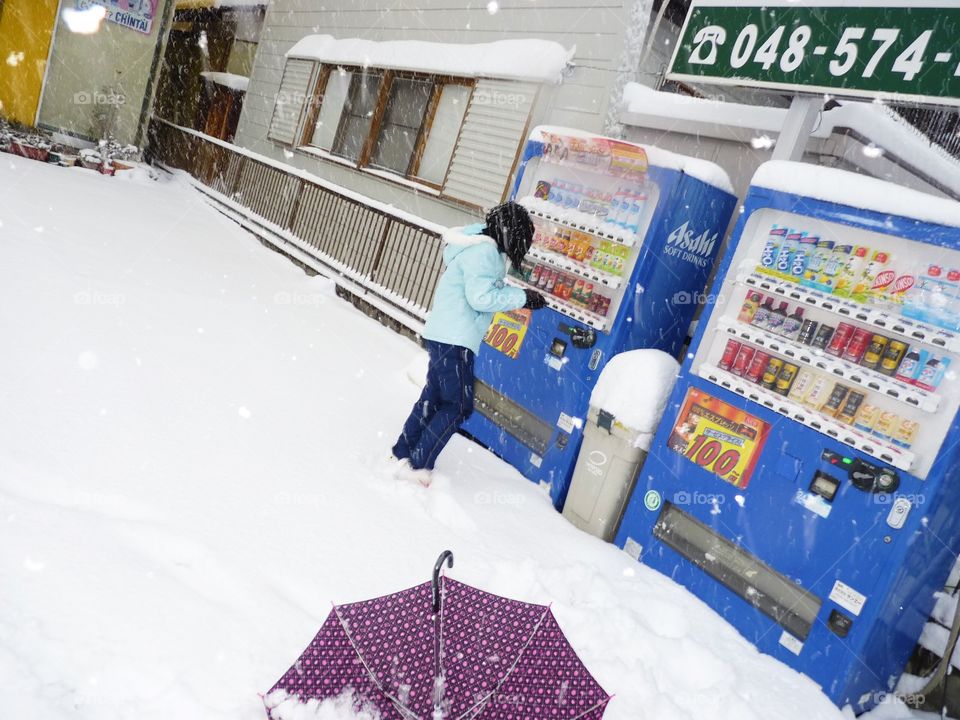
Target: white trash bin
[(625, 409)]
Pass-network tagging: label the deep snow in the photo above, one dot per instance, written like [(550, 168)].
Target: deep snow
[(191, 444)]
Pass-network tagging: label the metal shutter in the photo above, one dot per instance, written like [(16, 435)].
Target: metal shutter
[(291, 99), (492, 131)]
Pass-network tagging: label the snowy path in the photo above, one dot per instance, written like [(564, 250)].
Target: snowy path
[(190, 436)]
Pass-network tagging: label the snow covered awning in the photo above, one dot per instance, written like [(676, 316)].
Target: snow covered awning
[(857, 191), (237, 83), (875, 123), (530, 59)]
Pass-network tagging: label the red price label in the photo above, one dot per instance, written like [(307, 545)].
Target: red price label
[(716, 457), (718, 437)]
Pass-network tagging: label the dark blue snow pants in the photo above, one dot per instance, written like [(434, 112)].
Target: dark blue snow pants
[(446, 401)]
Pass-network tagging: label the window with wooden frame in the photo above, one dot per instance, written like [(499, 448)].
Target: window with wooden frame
[(399, 122)]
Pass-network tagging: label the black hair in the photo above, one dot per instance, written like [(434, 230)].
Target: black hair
[(510, 226)]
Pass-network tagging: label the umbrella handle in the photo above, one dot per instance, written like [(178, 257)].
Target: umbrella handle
[(445, 556)]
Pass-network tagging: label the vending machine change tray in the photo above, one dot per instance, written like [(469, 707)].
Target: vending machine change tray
[(775, 595)]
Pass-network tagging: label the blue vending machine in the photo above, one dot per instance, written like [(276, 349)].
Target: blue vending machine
[(804, 480), (626, 237)]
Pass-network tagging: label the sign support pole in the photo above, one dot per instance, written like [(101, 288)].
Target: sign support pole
[(797, 127)]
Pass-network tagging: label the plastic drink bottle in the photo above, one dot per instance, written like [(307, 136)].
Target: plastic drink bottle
[(762, 313), (792, 324), (790, 246), (776, 319), (768, 256), (749, 308), (800, 258)]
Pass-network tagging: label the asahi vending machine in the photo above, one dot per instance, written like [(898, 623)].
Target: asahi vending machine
[(626, 237), (804, 480)]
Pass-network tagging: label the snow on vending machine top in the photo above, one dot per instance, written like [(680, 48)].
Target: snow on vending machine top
[(804, 476), (626, 237)]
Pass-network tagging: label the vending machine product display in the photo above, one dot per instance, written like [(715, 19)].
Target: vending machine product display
[(804, 478), (625, 239)]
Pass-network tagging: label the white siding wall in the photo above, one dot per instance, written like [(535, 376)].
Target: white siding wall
[(595, 28)]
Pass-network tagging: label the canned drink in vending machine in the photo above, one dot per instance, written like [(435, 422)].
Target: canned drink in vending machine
[(785, 378), (851, 407), (875, 352), (742, 362), (605, 305), (841, 337), (892, 357), (808, 331), (906, 432), (729, 354), (867, 417), (819, 392), (801, 386), (535, 275), (769, 379), (857, 346), (823, 337), (833, 404), (551, 281), (558, 284), (756, 366), (587, 294)]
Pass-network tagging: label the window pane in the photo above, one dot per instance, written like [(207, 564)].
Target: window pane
[(331, 108), (357, 115), (443, 133), (406, 107)]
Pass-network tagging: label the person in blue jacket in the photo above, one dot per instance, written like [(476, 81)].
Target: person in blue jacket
[(469, 291)]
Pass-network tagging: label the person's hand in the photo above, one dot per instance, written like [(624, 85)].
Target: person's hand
[(535, 300)]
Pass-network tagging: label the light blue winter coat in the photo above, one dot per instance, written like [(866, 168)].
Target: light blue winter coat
[(470, 290)]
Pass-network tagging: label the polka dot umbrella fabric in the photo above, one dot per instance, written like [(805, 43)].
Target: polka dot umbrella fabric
[(483, 657)]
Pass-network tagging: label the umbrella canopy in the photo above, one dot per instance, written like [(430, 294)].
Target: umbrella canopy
[(443, 651)]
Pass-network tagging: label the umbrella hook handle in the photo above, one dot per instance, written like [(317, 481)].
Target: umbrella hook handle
[(445, 557)]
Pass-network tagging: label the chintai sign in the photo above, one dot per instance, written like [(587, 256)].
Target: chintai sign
[(135, 14)]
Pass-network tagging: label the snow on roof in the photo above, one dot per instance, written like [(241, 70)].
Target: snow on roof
[(639, 98), (530, 59), (229, 80), (703, 170), (874, 122), (857, 191)]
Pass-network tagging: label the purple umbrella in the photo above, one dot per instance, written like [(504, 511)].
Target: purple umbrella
[(442, 651)]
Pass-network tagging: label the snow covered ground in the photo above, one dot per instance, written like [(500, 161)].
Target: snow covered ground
[(191, 435)]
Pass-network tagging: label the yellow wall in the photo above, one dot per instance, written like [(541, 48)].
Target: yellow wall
[(26, 27)]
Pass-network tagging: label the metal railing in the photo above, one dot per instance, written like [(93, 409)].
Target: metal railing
[(390, 257)]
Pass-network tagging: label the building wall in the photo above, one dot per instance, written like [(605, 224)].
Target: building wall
[(25, 27), (596, 29), (84, 69)]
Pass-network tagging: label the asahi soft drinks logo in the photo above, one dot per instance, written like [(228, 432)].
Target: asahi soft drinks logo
[(695, 249)]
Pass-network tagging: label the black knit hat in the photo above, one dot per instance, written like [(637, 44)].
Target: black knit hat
[(511, 227)]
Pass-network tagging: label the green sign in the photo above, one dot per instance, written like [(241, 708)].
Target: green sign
[(908, 52)]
